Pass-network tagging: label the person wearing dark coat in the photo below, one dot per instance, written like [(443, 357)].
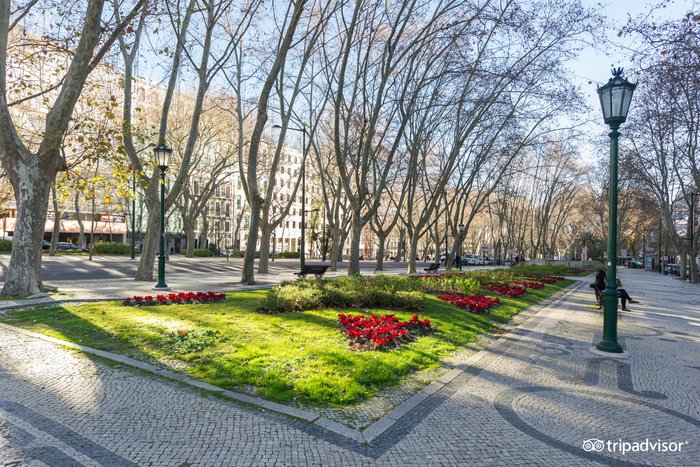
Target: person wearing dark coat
[(601, 283)]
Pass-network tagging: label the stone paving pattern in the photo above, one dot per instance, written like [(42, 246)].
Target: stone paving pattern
[(531, 398)]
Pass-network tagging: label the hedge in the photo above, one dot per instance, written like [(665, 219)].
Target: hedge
[(287, 254), (111, 248), (203, 252), (5, 245), (383, 291)]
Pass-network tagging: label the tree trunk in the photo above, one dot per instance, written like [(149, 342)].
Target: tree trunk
[(56, 223), (356, 234), (684, 261), (341, 244), (335, 246), (248, 273), (149, 249), (412, 254), (204, 232), (381, 240), (31, 185), (265, 234), (401, 249), (189, 235), (81, 234)]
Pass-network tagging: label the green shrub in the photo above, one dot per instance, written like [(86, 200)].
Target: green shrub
[(203, 252), (396, 283), (5, 245), (291, 297), (345, 292), (111, 248), (450, 283), (287, 254)]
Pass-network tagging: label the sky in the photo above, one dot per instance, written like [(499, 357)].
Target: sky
[(593, 65)]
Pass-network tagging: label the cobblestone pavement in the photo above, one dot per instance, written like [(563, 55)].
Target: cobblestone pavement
[(535, 397)]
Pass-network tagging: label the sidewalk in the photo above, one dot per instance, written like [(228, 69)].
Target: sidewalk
[(537, 396), (117, 289)]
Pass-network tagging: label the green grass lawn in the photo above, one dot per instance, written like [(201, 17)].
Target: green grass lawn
[(281, 357)]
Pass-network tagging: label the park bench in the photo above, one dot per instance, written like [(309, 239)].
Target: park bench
[(432, 268), (317, 270), (599, 295)]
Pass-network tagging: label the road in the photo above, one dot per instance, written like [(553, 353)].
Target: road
[(78, 267)]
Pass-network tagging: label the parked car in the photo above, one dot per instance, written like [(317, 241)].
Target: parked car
[(470, 260), (675, 269), (45, 245), (66, 246), (635, 264)]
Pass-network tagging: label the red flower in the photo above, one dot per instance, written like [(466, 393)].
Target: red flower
[(177, 299), (381, 332), (475, 303), (506, 290), (529, 285)]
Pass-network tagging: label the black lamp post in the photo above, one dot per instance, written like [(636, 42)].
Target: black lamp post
[(162, 153), (461, 231), (615, 98), (302, 259)]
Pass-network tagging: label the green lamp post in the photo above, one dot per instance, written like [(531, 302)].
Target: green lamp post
[(615, 98), (461, 232), (162, 153)]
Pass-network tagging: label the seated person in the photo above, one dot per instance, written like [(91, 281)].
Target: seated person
[(600, 282)]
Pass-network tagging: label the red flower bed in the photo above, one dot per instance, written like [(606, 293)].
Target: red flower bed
[(181, 298), (529, 285), (381, 332), (545, 279), (475, 303), (506, 290), (575, 271)]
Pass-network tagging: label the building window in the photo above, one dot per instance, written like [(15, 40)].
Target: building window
[(227, 226), (228, 209), (238, 202), (218, 208)]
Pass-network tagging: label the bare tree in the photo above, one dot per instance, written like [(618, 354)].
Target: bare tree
[(32, 170)]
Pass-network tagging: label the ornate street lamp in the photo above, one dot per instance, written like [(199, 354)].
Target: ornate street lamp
[(615, 98), (302, 259), (162, 153)]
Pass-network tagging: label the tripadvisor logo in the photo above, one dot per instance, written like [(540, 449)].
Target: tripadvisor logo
[(623, 447)]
